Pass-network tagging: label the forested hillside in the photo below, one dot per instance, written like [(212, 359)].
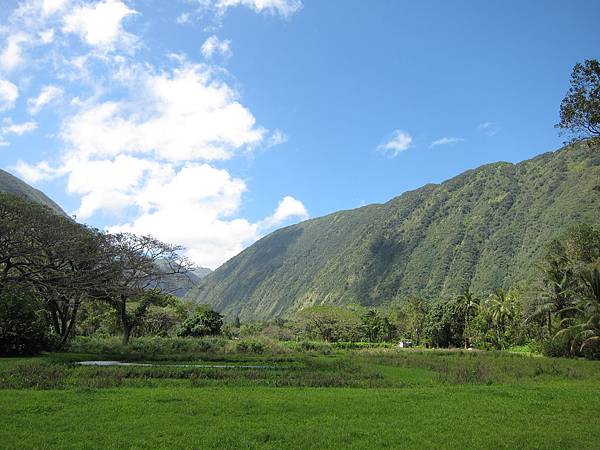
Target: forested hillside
[(13, 185), (484, 229)]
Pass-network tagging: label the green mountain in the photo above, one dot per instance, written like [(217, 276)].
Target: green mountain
[(13, 185), (482, 230)]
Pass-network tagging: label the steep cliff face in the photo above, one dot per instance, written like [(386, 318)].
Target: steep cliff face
[(482, 230)]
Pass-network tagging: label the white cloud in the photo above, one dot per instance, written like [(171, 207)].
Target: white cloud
[(194, 207), (144, 157), (278, 137), (284, 8), (217, 9), (399, 142), (12, 54), (138, 142), (488, 128), (47, 95), (107, 185), (52, 6), (8, 95), (18, 128), (183, 18), (214, 46), (100, 25), (35, 173), (30, 25), (288, 208), (446, 141), (184, 115)]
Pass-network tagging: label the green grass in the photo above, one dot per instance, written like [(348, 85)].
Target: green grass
[(548, 416), (358, 399)]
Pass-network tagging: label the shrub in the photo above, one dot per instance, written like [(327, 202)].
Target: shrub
[(203, 323), (22, 326), (555, 347)]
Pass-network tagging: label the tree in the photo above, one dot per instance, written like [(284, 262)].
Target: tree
[(163, 318), (376, 328), (468, 304), (577, 249), (558, 279), (501, 312), (583, 331), (143, 267), (329, 323), (22, 326), (60, 261), (76, 266), (580, 109), (504, 310), (445, 323), (413, 314), (205, 322)]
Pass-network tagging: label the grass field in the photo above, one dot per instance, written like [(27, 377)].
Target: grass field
[(352, 399)]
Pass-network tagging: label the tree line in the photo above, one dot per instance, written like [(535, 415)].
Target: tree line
[(557, 313), (59, 279), (54, 270)]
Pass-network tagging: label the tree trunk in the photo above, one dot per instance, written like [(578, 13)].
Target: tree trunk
[(126, 334), (125, 320), (71, 325)]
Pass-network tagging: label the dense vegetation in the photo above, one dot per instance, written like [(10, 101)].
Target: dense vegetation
[(499, 257), (480, 231), (60, 280), (53, 271)]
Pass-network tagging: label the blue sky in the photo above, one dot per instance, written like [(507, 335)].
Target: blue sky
[(209, 123)]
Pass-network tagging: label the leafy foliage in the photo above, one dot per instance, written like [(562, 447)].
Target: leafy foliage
[(22, 325), (205, 322), (580, 109), (578, 311), (64, 265)]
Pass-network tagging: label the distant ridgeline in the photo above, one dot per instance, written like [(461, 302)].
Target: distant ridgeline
[(13, 185), (484, 229)]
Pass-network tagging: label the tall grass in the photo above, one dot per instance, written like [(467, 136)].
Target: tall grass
[(478, 367), (305, 372), (174, 348)]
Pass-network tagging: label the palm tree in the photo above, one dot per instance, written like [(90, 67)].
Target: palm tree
[(558, 296), (501, 311), (468, 304), (585, 328)]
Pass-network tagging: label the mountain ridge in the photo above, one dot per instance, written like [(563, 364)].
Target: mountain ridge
[(14, 185), (482, 229)]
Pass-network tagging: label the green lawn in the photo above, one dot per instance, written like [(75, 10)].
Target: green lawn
[(419, 408)]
